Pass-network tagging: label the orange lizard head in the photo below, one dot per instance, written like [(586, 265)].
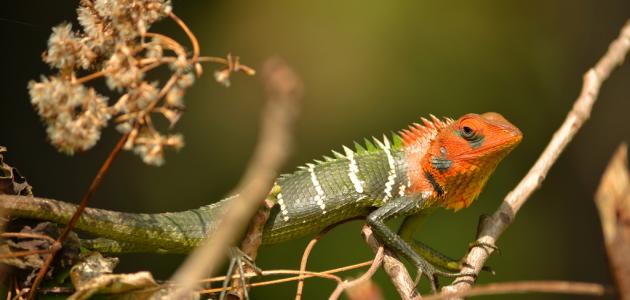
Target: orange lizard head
[(464, 153)]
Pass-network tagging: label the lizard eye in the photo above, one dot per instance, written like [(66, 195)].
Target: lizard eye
[(471, 135), (467, 132)]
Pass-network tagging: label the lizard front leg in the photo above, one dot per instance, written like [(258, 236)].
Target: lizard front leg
[(401, 207)]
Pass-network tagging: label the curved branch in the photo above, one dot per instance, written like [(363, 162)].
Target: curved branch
[(376, 263), (493, 226)]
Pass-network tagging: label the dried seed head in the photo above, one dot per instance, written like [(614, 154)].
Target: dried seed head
[(154, 49), (141, 97), (65, 50), (131, 18), (114, 43), (73, 114), (123, 69)]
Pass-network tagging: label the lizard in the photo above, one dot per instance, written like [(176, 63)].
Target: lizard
[(439, 163)]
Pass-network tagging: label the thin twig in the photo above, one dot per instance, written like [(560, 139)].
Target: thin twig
[(276, 281), (92, 76), (550, 287), (278, 272), (193, 41), (167, 87), (376, 263), (494, 225), (253, 238), (284, 89), (304, 260), (309, 249), (96, 182), (304, 275), (148, 64), (169, 42), (252, 241)]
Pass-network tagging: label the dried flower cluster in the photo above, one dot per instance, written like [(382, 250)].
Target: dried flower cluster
[(115, 43)]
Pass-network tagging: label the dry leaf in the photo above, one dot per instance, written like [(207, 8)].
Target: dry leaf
[(66, 257), (93, 275), (11, 181), (613, 203)]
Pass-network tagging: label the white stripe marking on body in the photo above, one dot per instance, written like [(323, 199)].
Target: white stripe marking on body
[(353, 170), (283, 207), (391, 174), (401, 190), (319, 198)]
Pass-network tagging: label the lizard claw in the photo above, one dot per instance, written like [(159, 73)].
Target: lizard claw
[(237, 259), (432, 273), (485, 246)]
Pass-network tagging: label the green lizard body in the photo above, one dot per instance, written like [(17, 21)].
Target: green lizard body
[(303, 208), (443, 163)]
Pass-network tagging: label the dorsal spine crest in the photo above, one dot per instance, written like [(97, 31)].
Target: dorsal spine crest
[(368, 145), (416, 134), (422, 133)]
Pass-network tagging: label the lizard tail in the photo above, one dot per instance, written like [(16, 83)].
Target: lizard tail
[(177, 232)]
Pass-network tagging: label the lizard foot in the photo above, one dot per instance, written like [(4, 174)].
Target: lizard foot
[(487, 247), (237, 259), (432, 273)]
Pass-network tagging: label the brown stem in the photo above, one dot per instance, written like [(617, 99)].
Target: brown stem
[(551, 286), (169, 42), (376, 263), (96, 182), (167, 87), (193, 40), (306, 274), (309, 249), (303, 262), (152, 63), (277, 281), (89, 77)]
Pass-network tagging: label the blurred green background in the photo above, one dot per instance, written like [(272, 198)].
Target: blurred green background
[(369, 67)]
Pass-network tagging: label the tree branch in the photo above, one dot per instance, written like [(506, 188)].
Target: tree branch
[(284, 90), (494, 225)]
